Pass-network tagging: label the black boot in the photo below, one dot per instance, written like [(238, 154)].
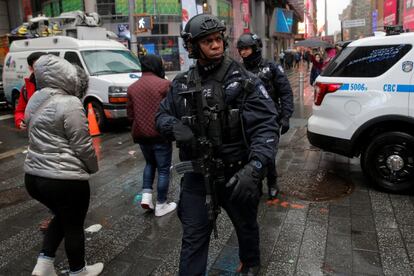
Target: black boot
[(249, 271), (273, 192)]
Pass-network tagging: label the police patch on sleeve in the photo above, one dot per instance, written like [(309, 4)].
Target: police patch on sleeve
[(281, 68), (233, 85), (264, 91)]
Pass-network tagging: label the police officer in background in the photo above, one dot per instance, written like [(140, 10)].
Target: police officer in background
[(245, 138), (277, 84)]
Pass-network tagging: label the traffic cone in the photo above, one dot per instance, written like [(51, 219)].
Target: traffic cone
[(93, 124)]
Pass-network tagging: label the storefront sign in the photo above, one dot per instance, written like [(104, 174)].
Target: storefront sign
[(390, 12), (354, 23), (408, 16), (284, 21)]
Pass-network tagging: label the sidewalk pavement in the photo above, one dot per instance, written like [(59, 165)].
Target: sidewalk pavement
[(327, 221)]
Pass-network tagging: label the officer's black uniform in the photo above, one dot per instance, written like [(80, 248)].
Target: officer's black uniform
[(278, 86), (245, 112)]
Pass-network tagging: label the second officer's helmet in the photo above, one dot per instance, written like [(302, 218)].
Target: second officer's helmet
[(250, 40), (198, 27)]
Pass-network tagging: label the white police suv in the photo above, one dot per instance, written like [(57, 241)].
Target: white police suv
[(364, 106)]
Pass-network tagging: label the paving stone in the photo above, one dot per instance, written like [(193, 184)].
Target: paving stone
[(394, 256), (285, 252), (380, 202), (405, 217), (385, 220), (338, 244), (362, 223), (360, 198), (314, 242), (291, 233), (318, 213), (338, 225), (337, 264), (118, 267), (366, 262), (364, 241), (345, 201), (407, 232), (296, 216), (339, 211), (279, 268), (307, 267)]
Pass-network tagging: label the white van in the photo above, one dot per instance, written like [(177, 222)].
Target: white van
[(111, 68)]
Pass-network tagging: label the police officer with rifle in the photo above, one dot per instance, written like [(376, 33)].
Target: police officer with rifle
[(277, 85), (226, 128)]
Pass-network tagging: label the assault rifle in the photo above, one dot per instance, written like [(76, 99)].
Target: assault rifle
[(204, 120)]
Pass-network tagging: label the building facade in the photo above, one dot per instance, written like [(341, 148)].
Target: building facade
[(276, 21)]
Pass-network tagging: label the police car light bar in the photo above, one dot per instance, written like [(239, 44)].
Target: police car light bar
[(394, 30)]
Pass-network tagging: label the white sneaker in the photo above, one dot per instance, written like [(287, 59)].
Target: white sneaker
[(44, 267), (146, 202), (164, 208), (89, 270)]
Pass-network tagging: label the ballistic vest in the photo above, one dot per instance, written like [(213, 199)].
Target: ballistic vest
[(223, 124)]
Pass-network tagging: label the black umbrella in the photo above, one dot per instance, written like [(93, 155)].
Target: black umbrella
[(313, 43)]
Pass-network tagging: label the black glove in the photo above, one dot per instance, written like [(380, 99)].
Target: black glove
[(245, 183), (284, 125), (182, 133)]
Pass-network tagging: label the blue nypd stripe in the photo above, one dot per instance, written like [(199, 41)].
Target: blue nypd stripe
[(344, 86), (405, 88)]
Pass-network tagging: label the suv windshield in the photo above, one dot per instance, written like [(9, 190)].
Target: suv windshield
[(105, 62), (366, 61)]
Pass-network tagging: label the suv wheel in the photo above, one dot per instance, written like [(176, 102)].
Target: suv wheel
[(388, 161)]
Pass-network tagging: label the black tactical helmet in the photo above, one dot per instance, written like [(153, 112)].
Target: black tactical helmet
[(250, 40), (198, 27)]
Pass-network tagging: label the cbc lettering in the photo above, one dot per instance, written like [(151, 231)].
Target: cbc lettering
[(390, 87)]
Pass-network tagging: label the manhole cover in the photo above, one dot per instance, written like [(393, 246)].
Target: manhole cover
[(315, 185), (13, 196)]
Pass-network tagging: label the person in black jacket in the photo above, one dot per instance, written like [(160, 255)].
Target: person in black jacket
[(240, 120), (278, 87)]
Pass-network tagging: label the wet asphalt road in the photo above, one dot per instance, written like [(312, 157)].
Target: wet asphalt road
[(351, 230)]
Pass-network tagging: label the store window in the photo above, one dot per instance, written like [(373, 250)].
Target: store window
[(159, 29), (164, 46)]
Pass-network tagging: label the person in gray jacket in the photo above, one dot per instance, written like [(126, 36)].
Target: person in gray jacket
[(59, 161)]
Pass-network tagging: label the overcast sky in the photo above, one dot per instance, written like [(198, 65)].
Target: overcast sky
[(335, 7)]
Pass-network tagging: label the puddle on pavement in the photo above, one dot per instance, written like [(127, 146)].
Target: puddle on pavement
[(318, 185), (13, 196)]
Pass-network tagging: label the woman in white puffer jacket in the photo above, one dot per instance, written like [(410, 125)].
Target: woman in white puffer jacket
[(59, 161)]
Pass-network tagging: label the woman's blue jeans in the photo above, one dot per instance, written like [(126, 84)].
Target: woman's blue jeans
[(157, 157)]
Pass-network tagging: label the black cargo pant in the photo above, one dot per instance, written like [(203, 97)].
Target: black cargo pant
[(197, 228), (69, 202)]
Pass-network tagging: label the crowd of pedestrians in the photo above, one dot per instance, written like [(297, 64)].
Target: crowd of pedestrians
[(225, 117)]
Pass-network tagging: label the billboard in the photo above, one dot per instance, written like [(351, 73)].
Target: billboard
[(390, 12), (284, 21), (408, 15)]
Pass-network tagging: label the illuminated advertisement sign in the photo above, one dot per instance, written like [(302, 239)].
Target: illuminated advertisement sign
[(284, 21), (408, 16), (390, 12)]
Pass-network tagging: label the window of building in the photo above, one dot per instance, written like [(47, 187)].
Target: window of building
[(159, 29), (368, 61)]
